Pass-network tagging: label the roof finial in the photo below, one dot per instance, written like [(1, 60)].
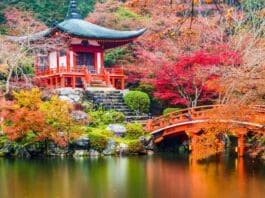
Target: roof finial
[(73, 12)]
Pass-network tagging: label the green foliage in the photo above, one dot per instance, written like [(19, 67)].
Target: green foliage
[(49, 11), (146, 88), (2, 18), (112, 56), (113, 117), (137, 101), (134, 130), (124, 13), (87, 106), (102, 117), (251, 5), (135, 146), (170, 110), (98, 141)]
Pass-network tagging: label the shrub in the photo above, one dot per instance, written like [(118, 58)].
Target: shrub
[(102, 117), (134, 130), (138, 101), (135, 146), (170, 110), (87, 106), (98, 141), (113, 117)]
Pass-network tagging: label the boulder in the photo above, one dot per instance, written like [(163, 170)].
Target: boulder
[(66, 98), (22, 152), (93, 153), (147, 142), (35, 149), (110, 148), (81, 143), (122, 149), (80, 153), (54, 149), (7, 149), (80, 116), (71, 95), (117, 129)]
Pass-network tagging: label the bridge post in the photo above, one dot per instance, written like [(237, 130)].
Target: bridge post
[(148, 126), (240, 145)]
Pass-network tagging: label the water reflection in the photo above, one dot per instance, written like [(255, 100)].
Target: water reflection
[(115, 177)]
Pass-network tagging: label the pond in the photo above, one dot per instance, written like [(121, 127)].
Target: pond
[(131, 177)]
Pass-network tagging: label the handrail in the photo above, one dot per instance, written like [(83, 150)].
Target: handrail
[(188, 114)]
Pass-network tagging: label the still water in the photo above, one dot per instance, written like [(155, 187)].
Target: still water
[(131, 177)]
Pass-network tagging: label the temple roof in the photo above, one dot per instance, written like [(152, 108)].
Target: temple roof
[(81, 28), (75, 26)]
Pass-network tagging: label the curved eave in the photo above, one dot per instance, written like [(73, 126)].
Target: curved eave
[(84, 29), (31, 37)]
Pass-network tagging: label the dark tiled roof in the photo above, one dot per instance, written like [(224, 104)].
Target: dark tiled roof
[(81, 28)]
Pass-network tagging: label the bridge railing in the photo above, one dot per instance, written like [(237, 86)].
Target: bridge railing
[(179, 116), (185, 115)]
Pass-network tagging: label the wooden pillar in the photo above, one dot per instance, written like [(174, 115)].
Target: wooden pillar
[(36, 65), (191, 142), (73, 82), (57, 60), (62, 81), (68, 60), (46, 82), (122, 83), (56, 81), (240, 145)]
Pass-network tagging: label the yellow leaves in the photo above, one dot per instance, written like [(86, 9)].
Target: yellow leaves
[(3, 69), (28, 98)]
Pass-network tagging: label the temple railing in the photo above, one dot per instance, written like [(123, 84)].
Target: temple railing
[(52, 71), (115, 71)]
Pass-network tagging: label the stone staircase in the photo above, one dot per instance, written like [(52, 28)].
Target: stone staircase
[(98, 83), (113, 99)]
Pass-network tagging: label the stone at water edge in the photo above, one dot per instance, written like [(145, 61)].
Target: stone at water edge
[(111, 147), (122, 148), (93, 153), (22, 152), (54, 149), (81, 153), (117, 129), (7, 149)]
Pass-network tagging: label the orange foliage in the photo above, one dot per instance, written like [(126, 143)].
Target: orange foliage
[(28, 116)]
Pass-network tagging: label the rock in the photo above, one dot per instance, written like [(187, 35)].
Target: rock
[(66, 99), (22, 152), (122, 149), (81, 143), (111, 148), (80, 153), (69, 94), (149, 152), (7, 149), (147, 142), (35, 149), (93, 153), (117, 129), (80, 116), (54, 149)]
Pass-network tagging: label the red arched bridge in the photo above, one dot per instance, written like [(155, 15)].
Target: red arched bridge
[(190, 121)]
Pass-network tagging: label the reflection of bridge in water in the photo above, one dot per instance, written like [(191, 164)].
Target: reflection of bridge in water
[(189, 122)]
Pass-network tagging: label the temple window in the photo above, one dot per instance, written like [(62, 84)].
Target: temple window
[(42, 62), (62, 58), (86, 59)]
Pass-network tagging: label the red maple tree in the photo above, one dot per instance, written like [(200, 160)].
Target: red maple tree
[(186, 82)]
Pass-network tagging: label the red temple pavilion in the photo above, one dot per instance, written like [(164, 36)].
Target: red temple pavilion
[(81, 64)]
